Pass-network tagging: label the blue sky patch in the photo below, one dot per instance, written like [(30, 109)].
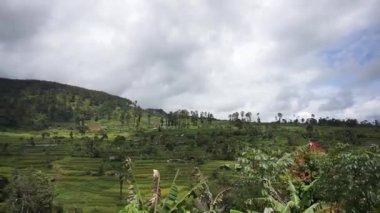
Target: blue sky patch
[(361, 47)]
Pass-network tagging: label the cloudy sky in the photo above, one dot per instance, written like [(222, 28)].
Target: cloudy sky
[(296, 57)]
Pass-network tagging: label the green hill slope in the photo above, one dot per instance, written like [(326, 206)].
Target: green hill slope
[(37, 104)]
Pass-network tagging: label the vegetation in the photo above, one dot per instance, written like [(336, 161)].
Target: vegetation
[(30, 191), (65, 148)]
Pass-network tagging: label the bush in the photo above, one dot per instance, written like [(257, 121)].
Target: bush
[(351, 179), (30, 191)]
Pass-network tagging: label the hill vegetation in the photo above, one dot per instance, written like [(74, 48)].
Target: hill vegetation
[(40, 103), (88, 151)]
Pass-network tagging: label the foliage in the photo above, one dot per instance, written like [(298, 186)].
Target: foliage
[(30, 191), (258, 165), (276, 168), (299, 199), (123, 171), (174, 203), (204, 200), (351, 178), (40, 103)]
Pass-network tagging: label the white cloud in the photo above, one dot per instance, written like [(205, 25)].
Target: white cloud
[(221, 56)]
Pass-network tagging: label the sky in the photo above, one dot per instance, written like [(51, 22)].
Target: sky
[(296, 57)]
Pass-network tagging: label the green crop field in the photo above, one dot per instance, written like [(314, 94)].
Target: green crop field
[(78, 186), (75, 188)]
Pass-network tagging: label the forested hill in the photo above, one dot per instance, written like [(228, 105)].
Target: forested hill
[(39, 103)]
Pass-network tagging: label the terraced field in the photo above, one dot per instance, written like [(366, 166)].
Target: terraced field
[(75, 186)]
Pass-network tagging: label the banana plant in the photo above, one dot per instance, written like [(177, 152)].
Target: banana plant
[(298, 200), (172, 203)]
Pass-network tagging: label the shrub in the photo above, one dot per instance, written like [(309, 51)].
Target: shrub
[(30, 191)]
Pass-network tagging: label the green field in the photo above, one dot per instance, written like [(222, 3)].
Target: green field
[(75, 188)]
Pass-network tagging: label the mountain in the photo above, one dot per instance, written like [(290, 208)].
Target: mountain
[(39, 103)]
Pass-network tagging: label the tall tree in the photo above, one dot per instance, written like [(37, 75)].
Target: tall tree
[(279, 115), (248, 116), (124, 171), (242, 114)]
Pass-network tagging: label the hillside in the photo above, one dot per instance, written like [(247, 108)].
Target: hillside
[(39, 103)]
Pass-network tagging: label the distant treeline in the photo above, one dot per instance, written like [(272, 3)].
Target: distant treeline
[(237, 117)]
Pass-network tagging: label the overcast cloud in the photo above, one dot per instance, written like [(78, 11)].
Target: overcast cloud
[(296, 57)]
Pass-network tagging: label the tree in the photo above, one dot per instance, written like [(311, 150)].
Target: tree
[(242, 115), (124, 171), (210, 117), (138, 117), (128, 118), (248, 115), (30, 191), (122, 118), (194, 117), (279, 116), (149, 118), (162, 121), (312, 119), (235, 116)]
